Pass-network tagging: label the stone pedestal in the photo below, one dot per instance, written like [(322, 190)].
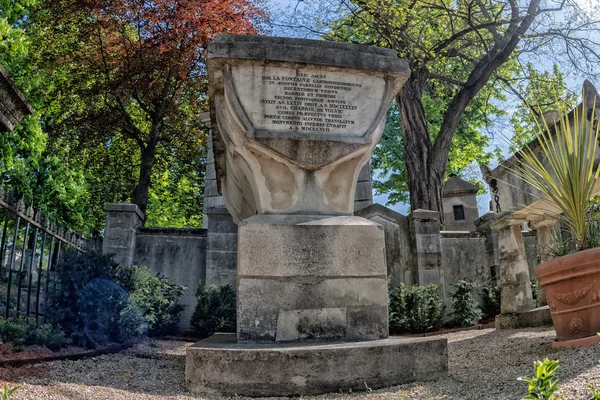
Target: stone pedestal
[(220, 366), (514, 271), (425, 232), (122, 221), (545, 239), (301, 278), (294, 124)]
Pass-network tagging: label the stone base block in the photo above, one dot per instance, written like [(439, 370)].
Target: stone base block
[(307, 278), (583, 342), (219, 365), (527, 319)]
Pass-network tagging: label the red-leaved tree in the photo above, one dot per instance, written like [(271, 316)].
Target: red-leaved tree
[(135, 68)]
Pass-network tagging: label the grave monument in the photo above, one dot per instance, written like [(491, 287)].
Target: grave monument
[(294, 121)]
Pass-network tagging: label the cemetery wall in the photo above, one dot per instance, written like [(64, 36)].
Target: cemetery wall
[(179, 254), (464, 256)]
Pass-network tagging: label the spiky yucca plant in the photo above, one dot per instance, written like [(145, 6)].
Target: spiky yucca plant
[(568, 175)]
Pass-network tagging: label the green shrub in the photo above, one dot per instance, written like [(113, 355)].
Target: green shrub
[(73, 272), (215, 311), (466, 311), (109, 314), (490, 301), (24, 332), (542, 385), (415, 309), (155, 295)]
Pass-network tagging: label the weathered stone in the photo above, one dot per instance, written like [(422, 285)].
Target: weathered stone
[(461, 194), (545, 240), (514, 271), (526, 319), (122, 220), (218, 365), (179, 254), (299, 124), (425, 233), (13, 105), (311, 324)]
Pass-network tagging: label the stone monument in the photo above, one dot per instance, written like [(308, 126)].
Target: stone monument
[(294, 121)]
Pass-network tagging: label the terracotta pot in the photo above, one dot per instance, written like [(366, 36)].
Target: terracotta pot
[(572, 285)]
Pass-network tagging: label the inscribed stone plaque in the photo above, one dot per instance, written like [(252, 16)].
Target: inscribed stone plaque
[(308, 100)]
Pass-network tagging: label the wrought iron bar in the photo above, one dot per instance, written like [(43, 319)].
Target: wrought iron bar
[(3, 242), (11, 265), (39, 279), (21, 266), (30, 271), (47, 291)]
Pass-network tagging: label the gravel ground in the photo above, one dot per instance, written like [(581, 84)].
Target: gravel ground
[(483, 364)]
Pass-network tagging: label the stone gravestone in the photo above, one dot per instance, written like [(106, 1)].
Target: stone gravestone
[(294, 121)]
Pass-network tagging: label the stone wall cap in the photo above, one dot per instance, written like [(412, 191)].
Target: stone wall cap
[(460, 235), (507, 218), (378, 210), (124, 207), (198, 232), (320, 52), (425, 214), (302, 219), (457, 186)]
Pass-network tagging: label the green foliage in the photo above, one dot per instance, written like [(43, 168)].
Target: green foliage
[(73, 273), (465, 307), (562, 166), (542, 386), (108, 313), (215, 311), (415, 309), (490, 301), (155, 295), (25, 332), (542, 92), (6, 392)]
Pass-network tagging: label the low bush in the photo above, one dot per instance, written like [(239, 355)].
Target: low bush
[(490, 301), (215, 311), (24, 332), (109, 314), (415, 309), (466, 311), (155, 295), (73, 273), (90, 316), (543, 385)]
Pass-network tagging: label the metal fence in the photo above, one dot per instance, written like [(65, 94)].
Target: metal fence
[(30, 248)]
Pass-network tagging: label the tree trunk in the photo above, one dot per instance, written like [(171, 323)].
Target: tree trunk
[(140, 194), (424, 181)]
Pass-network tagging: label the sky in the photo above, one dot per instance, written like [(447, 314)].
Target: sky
[(574, 83)]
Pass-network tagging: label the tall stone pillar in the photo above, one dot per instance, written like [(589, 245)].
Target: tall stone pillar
[(545, 239), (427, 250), (221, 249), (122, 221), (514, 271), (483, 225)]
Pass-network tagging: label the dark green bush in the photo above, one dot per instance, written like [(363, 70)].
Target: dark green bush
[(24, 332), (415, 309), (109, 313), (155, 295), (215, 311), (490, 301), (73, 272), (466, 311)]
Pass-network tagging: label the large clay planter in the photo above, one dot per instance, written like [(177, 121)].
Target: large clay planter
[(572, 285)]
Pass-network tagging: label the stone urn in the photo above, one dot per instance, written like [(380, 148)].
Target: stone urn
[(572, 285)]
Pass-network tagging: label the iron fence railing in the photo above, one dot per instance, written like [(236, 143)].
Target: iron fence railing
[(30, 248)]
